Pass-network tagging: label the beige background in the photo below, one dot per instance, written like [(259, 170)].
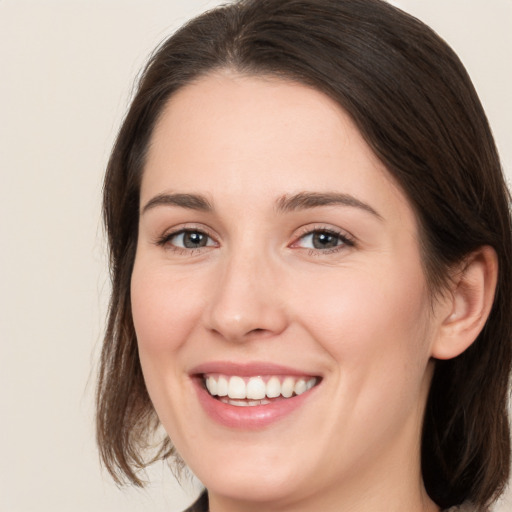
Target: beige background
[(66, 73)]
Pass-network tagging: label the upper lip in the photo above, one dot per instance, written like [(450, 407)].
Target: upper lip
[(248, 369)]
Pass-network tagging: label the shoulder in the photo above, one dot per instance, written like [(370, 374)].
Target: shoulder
[(465, 507), (200, 505)]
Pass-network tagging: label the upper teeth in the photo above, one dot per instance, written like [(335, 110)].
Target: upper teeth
[(256, 388)]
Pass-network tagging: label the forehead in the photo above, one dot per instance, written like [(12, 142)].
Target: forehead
[(253, 137)]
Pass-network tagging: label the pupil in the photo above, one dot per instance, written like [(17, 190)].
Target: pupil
[(324, 241), (192, 240)]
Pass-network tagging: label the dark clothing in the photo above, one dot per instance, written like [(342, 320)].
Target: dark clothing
[(201, 505)]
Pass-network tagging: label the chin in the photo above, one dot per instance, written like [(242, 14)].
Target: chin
[(257, 486)]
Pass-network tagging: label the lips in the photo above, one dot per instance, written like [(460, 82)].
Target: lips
[(250, 396)]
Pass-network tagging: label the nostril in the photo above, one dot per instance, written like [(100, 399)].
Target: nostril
[(258, 333), (238, 317)]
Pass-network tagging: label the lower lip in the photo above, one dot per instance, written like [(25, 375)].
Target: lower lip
[(250, 417)]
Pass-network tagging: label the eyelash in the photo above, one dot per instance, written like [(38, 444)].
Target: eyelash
[(165, 240), (344, 240)]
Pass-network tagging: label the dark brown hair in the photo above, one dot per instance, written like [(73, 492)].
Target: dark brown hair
[(414, 103)]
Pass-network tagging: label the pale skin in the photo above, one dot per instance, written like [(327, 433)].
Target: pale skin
[(242, 152)]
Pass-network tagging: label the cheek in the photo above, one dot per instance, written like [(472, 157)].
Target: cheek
[(375, 328), (165, 311), (376, 320), (165, 308)]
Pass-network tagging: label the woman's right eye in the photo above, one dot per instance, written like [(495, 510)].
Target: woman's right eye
[(187, 239)]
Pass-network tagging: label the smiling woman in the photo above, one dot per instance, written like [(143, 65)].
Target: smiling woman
[(310, 246)]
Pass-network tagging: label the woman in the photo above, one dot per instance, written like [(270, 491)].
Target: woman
[(310, 251)]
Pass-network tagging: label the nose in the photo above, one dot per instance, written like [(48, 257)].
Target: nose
[(246, 302)]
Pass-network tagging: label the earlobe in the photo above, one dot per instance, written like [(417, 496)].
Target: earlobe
[(469, 303)]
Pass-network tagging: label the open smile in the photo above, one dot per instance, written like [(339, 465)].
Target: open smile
[(253, 395), (258, 390)]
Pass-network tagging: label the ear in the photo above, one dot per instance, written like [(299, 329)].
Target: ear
[(467, 304)]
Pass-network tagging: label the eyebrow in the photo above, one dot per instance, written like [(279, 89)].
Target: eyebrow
[(306, 200), (189, 201), (286, 203)]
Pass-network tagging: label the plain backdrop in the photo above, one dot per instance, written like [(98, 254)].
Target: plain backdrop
[(67, 70)]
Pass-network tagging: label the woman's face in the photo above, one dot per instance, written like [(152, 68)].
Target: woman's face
[(276, 253)]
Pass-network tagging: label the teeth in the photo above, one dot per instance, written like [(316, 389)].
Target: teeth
[(256, 388), (273, 387), (287, 387), (211, 386), (254, 391), (300, 387), (244, 403), (238, 403), (237, 388), (222, 386)]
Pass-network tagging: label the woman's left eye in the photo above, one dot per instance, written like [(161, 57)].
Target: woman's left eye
[(323, 240)]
